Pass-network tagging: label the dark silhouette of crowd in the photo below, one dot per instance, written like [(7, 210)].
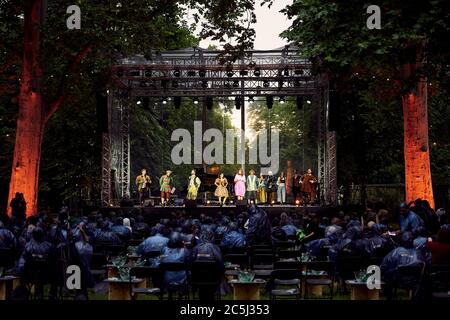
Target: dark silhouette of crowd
[(416, 236)]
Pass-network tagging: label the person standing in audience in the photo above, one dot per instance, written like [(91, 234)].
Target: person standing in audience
[(259, 229)]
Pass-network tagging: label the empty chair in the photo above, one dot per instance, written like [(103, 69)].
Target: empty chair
[(206, 276), (319, 274), (285, 283), (148, 274)]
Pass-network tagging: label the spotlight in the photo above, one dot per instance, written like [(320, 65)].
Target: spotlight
[(177, 73), (308, 101), (236, 84), (231, 201), (174, 84), (164, 101), (297, 202), (177, 102), (191, 73), (299, 102), (257, 72), (237, 102), (269, 102), (138, 101), (281, 100), (148, 73), (272, 203), (266, 84), (202, 73), (195, 100), (209, 103), (208, 202), (252, 202), (251, 99)]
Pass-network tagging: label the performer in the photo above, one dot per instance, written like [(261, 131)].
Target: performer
[(194, 185), (262, 192), (281, 188), (239, 185), (252, 185), (296, 185), (309, 182), (143, 182), (165, 183), (271, 187), (221, 190)]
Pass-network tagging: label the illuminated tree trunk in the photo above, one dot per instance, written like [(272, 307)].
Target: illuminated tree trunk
[(416, 148)]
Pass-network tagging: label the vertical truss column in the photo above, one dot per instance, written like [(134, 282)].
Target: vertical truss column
[(322, 127), (125, 142), (106, 170), (331, 168)]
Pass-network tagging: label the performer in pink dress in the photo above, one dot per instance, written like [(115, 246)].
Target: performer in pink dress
[(239, 185)]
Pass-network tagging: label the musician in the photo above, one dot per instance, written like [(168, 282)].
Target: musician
[(165, 183), (193, 186), (281, 188), (262, 189), (271, 187), (252, 185), (309, 185), (239, 184), (143, 183), (296, 185), (221, 191)]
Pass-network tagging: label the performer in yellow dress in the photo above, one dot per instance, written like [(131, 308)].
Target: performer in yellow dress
[(221, 190), (194, 185), (262, 192)]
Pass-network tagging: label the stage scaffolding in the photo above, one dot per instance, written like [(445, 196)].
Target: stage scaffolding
[(202, 73)]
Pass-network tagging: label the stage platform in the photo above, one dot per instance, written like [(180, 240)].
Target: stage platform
[(155, 213)]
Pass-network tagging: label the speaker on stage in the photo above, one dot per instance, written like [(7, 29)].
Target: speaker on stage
[(190, 203), (149, 203)]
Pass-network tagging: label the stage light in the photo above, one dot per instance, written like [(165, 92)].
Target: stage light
[(177, 73), (308, 101), (236, 84), (237, 102), (299, 102), (191, 73), (202, 73), (297, 202), (148, 73), (164, 101), (138, 101), (231, 202), (272, 203), (209, 103), (257, 72), (177, 102), (252, 202), (251, 99), (269, 102), (195, 100), (266, 84), (281, 100), (174, 84), (208, 202)]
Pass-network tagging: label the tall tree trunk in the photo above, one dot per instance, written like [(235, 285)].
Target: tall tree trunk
[(31, 116), (416, 149)]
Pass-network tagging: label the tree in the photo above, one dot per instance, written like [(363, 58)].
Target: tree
[(408, 50), (52, 57)]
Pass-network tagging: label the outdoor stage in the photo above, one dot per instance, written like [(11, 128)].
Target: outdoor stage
[(155, 213)]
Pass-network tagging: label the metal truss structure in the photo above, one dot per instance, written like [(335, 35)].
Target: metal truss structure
[(203, 73)]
